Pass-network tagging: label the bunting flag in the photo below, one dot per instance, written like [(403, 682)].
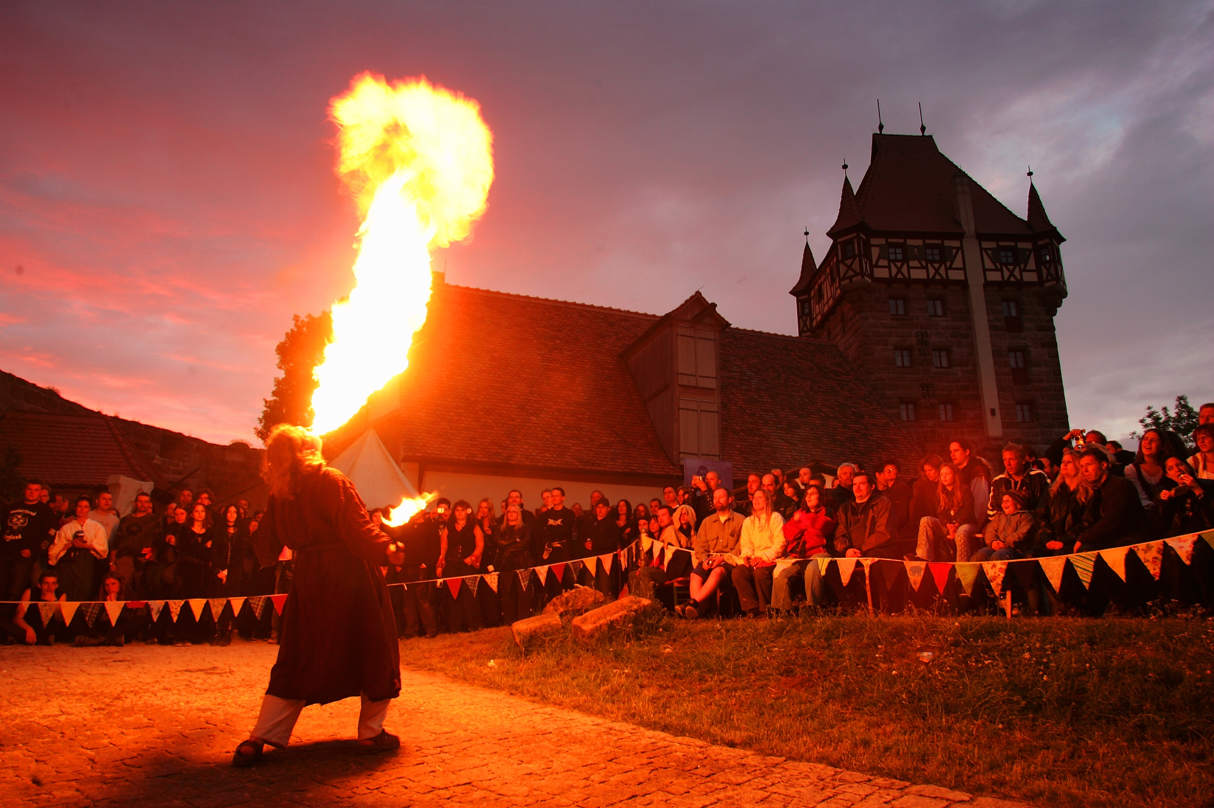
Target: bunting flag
[(847, 566), (608, 561), (472, 582), (542, 573), (524, 579), (196, 606), (1151, 556), (783, 564), (155, 607), (491, 579), (1054, 567), (68, 609), (91, 612), (995, 570), (823, 564), (558, 570), (914, 572), (217, 605), (48, 611), (278, 601), (258, 604), (592, 564), (1209, 537), (1115, 558), (175, 609), (453, 586), (646, 544), (667, 554), (113, 610), (889, 572), (1084, 565), (1183, 545), (237, 605), (940, 571), (967, 574)]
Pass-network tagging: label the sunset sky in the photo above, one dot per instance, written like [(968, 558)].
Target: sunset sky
[(168, 199)]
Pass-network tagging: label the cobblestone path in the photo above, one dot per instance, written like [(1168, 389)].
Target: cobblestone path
[(155, 726)]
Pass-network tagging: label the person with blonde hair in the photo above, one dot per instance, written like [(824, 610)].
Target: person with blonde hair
[(338, 636), (760, 544)]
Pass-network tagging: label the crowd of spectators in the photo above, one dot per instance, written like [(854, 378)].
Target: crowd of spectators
[(1082, 493)]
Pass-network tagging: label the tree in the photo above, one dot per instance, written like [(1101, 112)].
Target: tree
[(301, 350), (1182, 420)]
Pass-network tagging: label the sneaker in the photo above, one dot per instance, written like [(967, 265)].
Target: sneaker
[(690, 611)]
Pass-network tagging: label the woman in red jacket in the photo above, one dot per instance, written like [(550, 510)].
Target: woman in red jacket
[(807, 534)]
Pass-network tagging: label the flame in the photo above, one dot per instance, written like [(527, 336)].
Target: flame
[(419, 162), (408, 507)]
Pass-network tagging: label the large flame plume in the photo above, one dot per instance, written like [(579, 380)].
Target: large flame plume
[(419, 162)]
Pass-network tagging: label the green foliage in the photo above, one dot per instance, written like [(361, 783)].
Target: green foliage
[(1060, 711), (300, 350), (1182, 420)]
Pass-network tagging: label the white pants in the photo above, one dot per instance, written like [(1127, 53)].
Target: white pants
[(278, 716)]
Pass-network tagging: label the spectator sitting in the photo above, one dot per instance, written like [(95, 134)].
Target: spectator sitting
[(742, 499), (128, 622), (716, 548), (925, 495), (1205, 413), (40, 631), (1010, 532), (1147, 472), (1113, 515), (807, 535), (669, 533), (1202, 462), (789, 501), (842, 493), (973, 472), (761, 543), (949, 535), (1069, 495), (1188, 507), (863, 522), (684, 519), (77, 547), (1032, 484), (898, 492)]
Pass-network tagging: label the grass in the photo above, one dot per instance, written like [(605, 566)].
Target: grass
[(1064, 712)]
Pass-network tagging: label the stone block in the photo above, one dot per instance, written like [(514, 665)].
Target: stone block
[(576, 601), (532, 632), (618, 615)]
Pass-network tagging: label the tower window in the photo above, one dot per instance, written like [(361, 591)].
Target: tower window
[(897, 306), (935, 307), (902, 357), (906, 410), (1045, 256), (897, 252), (1006, 255), (946, 411), (1011, 316), (933, 253), (1015, 360), (1011, 308), (941, 358), (1024, 412), (848, 250)]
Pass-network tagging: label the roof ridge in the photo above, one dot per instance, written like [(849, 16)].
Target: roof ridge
[(557, 301)]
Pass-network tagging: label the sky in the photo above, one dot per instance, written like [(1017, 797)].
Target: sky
[(168, 198)]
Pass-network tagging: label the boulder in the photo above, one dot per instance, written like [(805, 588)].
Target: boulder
[(575, 601), (531, 632), (619, 615)]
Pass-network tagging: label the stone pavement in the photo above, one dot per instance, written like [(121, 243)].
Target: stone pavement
[(155, 726)]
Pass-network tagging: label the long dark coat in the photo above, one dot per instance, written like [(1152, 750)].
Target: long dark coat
[(338, 637)]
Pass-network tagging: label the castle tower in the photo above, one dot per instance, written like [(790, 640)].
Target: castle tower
[(943, 298)]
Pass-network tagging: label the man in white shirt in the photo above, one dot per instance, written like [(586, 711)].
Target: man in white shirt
[(77, 548)]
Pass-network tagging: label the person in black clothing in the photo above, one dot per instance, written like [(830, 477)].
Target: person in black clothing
[(601, 535), (132, 544), (557, 530), (513, 553), (1187, 507), (29, 526), (901, 531), (1020, 477), (462, 546), (420, 539), (1113, 515)]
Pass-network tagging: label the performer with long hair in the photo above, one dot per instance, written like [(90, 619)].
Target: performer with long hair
[(338, 636)]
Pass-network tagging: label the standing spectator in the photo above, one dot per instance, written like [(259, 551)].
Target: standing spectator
[(625, 523), (863, 523), (461, 547), (168, 580), (133, 544), (1202, 461), (29, 527), (973, 473), (420, 538), (670, 497), (762, 542), (601, 536), (105, 514), (806, 537), (514, 543), (1032, 484), (949, 535), (487, 521), (194, 552), (703, 488), (715, 554), (60, 509), (77, 548), (1113, 516), (789, 501), (557, 529)]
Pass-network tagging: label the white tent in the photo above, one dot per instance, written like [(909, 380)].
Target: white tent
[(374, 473)]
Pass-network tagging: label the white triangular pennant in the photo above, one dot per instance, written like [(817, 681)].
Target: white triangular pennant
[(113, 610), (542, 572), (237, 605), (667, 554), (847, 566), (592, 564), (646, 543), (1054, 567), (1115, 558), (608, 561), (68, 608), (914, 572), (196, 606), (1183, 545), (823, 564), (524, 579)]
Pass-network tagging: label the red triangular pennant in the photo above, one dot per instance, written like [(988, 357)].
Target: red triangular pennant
[(939, 570), (453, 586), (559, 571), (278, 601)]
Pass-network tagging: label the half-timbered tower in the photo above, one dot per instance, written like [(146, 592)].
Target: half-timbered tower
[(943, 298)]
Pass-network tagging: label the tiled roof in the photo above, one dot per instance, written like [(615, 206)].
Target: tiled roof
[(909, 188), (789, 401), (69, 450), (507, 379)]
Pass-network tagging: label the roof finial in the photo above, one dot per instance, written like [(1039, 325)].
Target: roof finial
[(880, 123), (922, 126), (1029, 174), (806, 235), (845, 166)]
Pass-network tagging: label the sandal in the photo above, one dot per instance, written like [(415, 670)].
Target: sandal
[(248, 753), (383, 742)]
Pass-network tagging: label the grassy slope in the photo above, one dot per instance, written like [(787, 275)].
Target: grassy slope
[(1065, 712)]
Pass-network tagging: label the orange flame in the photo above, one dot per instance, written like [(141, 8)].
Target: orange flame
[(419, 161), (408, 507)]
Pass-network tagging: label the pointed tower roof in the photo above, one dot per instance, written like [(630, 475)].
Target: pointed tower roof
[(808, 267), (849, 211), (1038, 221)]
